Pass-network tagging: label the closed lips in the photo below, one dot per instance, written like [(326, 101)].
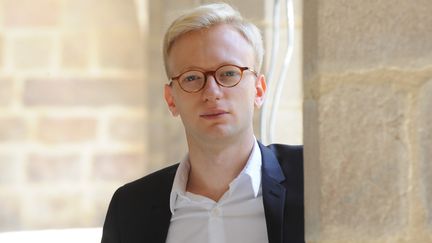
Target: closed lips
[(214, 113)]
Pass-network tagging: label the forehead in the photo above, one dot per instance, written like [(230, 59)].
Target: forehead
[(209, 48)]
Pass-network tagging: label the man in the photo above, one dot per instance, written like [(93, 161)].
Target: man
[(229, 187)]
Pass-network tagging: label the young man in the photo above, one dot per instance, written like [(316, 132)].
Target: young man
[(229, 187)]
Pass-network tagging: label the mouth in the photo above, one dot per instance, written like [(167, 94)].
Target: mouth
[(213, 114)]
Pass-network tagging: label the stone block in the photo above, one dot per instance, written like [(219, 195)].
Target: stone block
[(104, 14), (66, 130), (118, 166), (75, 50), (9, 168), (312, 177), (1, 48), (424, 131), (6, 94), (29, 13), (57, 208), (10, 211), (128, 129), (32, 52), (53, 168), (366, 34), (81, 92), (120, 50), (12, 129), (364, 149)]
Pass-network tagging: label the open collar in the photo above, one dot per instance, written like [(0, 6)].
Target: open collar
[(251, 169)]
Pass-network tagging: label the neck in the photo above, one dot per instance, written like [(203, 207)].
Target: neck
[(214, 166)]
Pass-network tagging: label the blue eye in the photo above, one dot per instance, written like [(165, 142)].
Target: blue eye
[(229, 73), (190, 78)]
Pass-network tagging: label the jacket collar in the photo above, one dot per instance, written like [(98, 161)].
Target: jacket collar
[(160, 211), (270, 164), (273, 194)]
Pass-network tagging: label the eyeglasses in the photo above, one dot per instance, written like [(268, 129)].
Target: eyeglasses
[(193, 81)]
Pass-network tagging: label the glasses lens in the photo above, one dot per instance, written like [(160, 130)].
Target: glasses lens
[(192, 80), (228, 75)]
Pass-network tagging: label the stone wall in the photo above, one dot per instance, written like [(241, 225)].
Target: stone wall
[(72, 117), (367, 82)]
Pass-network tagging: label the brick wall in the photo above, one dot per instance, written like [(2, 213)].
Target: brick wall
[(73, 123)]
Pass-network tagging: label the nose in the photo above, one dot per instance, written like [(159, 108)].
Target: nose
[(212, 90)]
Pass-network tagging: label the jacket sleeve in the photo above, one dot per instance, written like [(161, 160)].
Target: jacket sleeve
[(111, 231)]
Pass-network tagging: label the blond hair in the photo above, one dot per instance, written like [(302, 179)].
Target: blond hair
[(210, 15)]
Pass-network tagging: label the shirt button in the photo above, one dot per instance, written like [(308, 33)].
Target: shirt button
[(215, 212)]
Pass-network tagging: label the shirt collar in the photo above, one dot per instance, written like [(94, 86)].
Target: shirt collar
[(251, 169), (180, 181)]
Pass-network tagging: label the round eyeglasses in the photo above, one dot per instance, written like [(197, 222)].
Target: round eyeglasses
[(226, 76)]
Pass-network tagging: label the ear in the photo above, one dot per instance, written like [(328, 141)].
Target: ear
[(260, 87), (169, 99)]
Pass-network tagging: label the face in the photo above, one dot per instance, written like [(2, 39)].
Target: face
[(214, 112)]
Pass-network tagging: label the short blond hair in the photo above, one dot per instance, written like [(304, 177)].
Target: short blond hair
[(209, 15)]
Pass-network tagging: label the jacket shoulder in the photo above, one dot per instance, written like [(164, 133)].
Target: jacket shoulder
[(133, 214), (290, 158), (293, 153)]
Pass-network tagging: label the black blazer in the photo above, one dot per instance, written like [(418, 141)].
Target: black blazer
[(139, 211)]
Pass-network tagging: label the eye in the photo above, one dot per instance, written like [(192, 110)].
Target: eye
[(229, 73), (190, 78)]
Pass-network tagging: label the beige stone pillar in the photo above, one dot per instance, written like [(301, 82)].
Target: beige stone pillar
[(368, 120)]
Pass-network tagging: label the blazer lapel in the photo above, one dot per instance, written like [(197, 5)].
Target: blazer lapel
[(160, 213), (273, 195), (161, 217)]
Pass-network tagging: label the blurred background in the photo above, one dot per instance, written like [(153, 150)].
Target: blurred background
[(81, 105)]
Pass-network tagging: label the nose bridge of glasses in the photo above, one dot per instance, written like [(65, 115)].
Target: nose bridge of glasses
[(212, 74)]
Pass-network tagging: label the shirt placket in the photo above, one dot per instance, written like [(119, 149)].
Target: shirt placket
[(215, 226)]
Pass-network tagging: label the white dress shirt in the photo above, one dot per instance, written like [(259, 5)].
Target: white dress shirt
[(237, 217)]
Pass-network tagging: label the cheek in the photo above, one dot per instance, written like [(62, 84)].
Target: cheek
[(251, 95), (185, 105), (246, 99)]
